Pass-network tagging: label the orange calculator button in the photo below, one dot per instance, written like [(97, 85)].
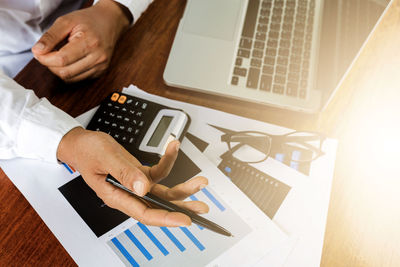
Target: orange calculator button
[(114, 97), (122, 99)]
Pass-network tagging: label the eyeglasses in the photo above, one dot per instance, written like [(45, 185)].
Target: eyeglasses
[(254, 146)]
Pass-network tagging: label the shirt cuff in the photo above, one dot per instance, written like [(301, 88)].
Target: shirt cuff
[(38, 138), (136, 7)]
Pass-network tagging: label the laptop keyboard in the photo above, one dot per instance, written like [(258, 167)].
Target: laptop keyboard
[(275, 47)]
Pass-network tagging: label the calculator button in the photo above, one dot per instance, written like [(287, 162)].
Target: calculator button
[(134, 122), (141, 123), (137, 131), (124, 110), (139, 114), (130, 129), (131, 140), (144, 106), (124, 139), (137, 103), (99, 120), (114, 125), (122, 127), (132, 112), (122, 99), (106, 122), (127, 119), (114, 97), (129, 101), (112, 115), (119, 117), (116, 136), (109, 104)]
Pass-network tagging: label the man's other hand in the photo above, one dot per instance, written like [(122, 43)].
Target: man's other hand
[(96, 154), (91, 35)]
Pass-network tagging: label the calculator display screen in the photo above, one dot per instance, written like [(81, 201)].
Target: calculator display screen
[(160, 131)]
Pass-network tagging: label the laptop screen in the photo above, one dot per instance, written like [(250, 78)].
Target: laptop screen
[(345, 27)]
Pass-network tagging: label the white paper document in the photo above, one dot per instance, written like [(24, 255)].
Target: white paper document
[(63, 201), (299, 206)]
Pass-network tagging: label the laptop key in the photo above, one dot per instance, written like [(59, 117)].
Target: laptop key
[(262, 27), (259, 45), (244, 53), (265, 83), (291, 89), (269, 60), (252, 79), (255, 62), (257, 53), (239, 61), (261, 36), (281, 69), (302, 93), (250, 19), (240, 71), (279, 79), (245, 43), (268, 69), (277, 88), (235, 80)]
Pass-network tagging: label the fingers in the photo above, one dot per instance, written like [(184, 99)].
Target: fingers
[(195, 206), (80, 70), (180, 191), (58, 32), (121, 200), (71, 52), (164, 166), (128, 174)]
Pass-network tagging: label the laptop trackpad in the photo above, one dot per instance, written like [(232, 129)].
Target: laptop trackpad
[(212, 18)]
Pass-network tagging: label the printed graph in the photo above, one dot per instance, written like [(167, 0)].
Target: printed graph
[(142, 245)]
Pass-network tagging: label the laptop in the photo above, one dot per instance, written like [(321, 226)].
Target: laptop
[(290, 54)]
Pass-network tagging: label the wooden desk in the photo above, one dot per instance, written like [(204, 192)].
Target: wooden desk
[(364, 218)]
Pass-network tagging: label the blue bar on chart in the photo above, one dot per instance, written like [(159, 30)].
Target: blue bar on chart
[(138, 244), (194, 198), (174, 240), (193, 238), (68, 168), (213, 199), (141, 245), (124, 252), (153, 238)]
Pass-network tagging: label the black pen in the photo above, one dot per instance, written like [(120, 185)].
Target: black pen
[(153, 199)]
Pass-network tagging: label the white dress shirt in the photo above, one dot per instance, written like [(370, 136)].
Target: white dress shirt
[(31, 127)]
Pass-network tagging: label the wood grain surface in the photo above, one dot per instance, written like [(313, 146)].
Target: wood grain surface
[(364, 214)]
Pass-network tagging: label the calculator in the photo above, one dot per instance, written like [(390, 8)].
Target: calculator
[(142, 127)]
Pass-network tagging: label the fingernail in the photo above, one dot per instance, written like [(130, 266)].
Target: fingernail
[(138, 186), (177, 146), (39, 46), (202, 186), (78, 34)]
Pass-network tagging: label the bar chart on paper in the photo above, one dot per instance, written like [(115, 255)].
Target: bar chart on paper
[(142, 245)]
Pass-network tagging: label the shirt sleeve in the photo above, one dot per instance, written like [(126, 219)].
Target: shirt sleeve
[(136, 7), (29, 127)]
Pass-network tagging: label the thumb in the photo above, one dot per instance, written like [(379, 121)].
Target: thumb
[(129, 175), (57, 32)]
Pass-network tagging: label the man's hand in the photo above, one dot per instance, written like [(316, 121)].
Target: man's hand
[(92, 34), (96, 154)]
